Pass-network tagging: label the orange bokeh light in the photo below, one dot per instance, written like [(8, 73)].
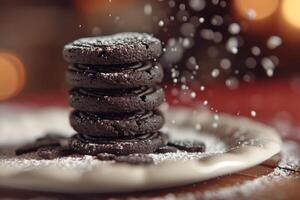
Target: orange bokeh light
[(291, 12), (12, 75), (256, 9)]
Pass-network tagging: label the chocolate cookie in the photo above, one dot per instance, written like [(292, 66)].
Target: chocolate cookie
[(186, 145), (52, 152), (119, 48), (116, 125), (114, 77), (135, 159), (49, 140), (106, 156), (116, 101), (147, 143), (166, 149)]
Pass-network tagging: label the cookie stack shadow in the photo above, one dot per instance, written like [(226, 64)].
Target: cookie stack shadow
[(115, 94)]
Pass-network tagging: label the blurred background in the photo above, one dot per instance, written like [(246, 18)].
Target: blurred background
[(239, 56)]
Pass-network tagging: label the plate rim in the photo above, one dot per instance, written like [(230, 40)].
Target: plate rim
[(128, 178)]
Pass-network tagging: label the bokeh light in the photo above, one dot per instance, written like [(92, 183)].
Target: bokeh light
[(256, 9), (97, 6), (12, 75), (291, 12)]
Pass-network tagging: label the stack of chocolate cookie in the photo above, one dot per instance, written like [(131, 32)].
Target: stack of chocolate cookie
[(115, 94)]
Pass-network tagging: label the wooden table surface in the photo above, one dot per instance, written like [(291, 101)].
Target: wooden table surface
[(268, 99)]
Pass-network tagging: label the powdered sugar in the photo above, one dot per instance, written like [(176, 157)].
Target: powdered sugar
[(290, 156), (29, 162), (213, 145), (33, 123), (290, 159)]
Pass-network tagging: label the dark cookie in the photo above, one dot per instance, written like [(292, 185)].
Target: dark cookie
[(119, 48), (118, 125), (106, 156), (63, 141), (51, 152), (166, 149), (148, 143), (114, 77), (135, 159), (46, 141), (189, 146), (116, 101)]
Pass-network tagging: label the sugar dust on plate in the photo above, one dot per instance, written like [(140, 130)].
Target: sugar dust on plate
[(216, 117), (198, 127), (215, 125)]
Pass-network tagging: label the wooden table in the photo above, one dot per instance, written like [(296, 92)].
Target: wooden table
[(267, 99)]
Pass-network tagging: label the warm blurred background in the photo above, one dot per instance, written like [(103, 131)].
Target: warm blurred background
[(222, 51)]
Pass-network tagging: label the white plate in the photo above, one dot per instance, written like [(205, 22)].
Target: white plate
[(236, 143)]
